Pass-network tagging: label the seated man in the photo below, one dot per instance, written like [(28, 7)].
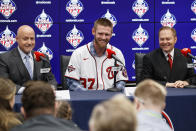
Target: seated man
[(38, 108), (116, 114), (89, 68), (150, 101), (19, 64), (166, 64)]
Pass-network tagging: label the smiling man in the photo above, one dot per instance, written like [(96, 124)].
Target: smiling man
[(19, 64), (89, 68), (166, 64)]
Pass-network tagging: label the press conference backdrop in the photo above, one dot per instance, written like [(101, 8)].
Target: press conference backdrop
[(61, 26)]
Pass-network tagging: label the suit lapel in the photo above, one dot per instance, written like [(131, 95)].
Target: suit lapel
[(20, 65)]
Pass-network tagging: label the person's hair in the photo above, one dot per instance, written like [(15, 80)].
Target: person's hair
[(103, 22), (168, 28), (38, 98), (151, 92), (116, 114), (64, 110), (7, 117)]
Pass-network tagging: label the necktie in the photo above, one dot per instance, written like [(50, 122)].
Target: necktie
[(28, 66), (170, 61)]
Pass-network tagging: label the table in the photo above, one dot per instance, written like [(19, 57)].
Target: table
[(181, 106)]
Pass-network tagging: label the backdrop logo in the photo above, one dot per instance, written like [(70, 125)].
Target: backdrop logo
[(74, 37), (140, 7), (193, 6), (7, 38), (168, 19), (74, 7), (7, 8), (110, 17), (46, 51), (140, 36), (133, 64), (43, 22), (193, 34)]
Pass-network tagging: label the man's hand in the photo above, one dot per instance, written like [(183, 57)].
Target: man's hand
[(177, 84), (181, 84)]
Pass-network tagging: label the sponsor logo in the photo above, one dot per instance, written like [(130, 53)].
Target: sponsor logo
[(7, 38), (43, 22), (74, 37), (46, 51), (168, 19), (108, 2), (140, 7), (74, 7), (168, 2), (110, 17), (140, 36), (7, 8), (193, 35), (193, 7), (43, 2)]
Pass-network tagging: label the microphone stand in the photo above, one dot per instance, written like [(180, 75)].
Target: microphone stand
[(46, 64), (115, 89)]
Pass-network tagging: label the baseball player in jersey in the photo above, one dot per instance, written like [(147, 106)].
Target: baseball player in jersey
[(89, 68)]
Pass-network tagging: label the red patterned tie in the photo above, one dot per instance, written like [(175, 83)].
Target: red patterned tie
[(170, 60)]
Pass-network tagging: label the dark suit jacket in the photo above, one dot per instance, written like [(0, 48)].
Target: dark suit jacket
[(12, 67), (156, 67), (46, 123)]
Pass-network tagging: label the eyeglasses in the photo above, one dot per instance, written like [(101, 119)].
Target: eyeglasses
[(139, 99)]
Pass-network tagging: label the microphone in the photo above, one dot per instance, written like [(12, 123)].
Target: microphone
[(40, 56), (112, 54), (46, 68), (187, 52)]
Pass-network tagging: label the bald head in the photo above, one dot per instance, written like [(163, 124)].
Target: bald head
[(24, 28), (25, 38)]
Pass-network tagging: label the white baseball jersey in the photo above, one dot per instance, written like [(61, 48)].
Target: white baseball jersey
[(95, 73)]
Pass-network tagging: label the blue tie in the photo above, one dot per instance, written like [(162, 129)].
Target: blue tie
[(28, 65)]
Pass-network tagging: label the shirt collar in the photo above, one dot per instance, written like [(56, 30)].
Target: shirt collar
[(92, 49), (22, 54), (171, 53)]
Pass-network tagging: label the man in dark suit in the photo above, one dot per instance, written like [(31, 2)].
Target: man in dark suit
[(20, 65), (166, 64)]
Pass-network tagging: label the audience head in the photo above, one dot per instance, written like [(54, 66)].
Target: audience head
[(38, 98), (167, 38), (150, 95), (8, 118), (7, 94), (64, 110), (25, 38), (116, 114)]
